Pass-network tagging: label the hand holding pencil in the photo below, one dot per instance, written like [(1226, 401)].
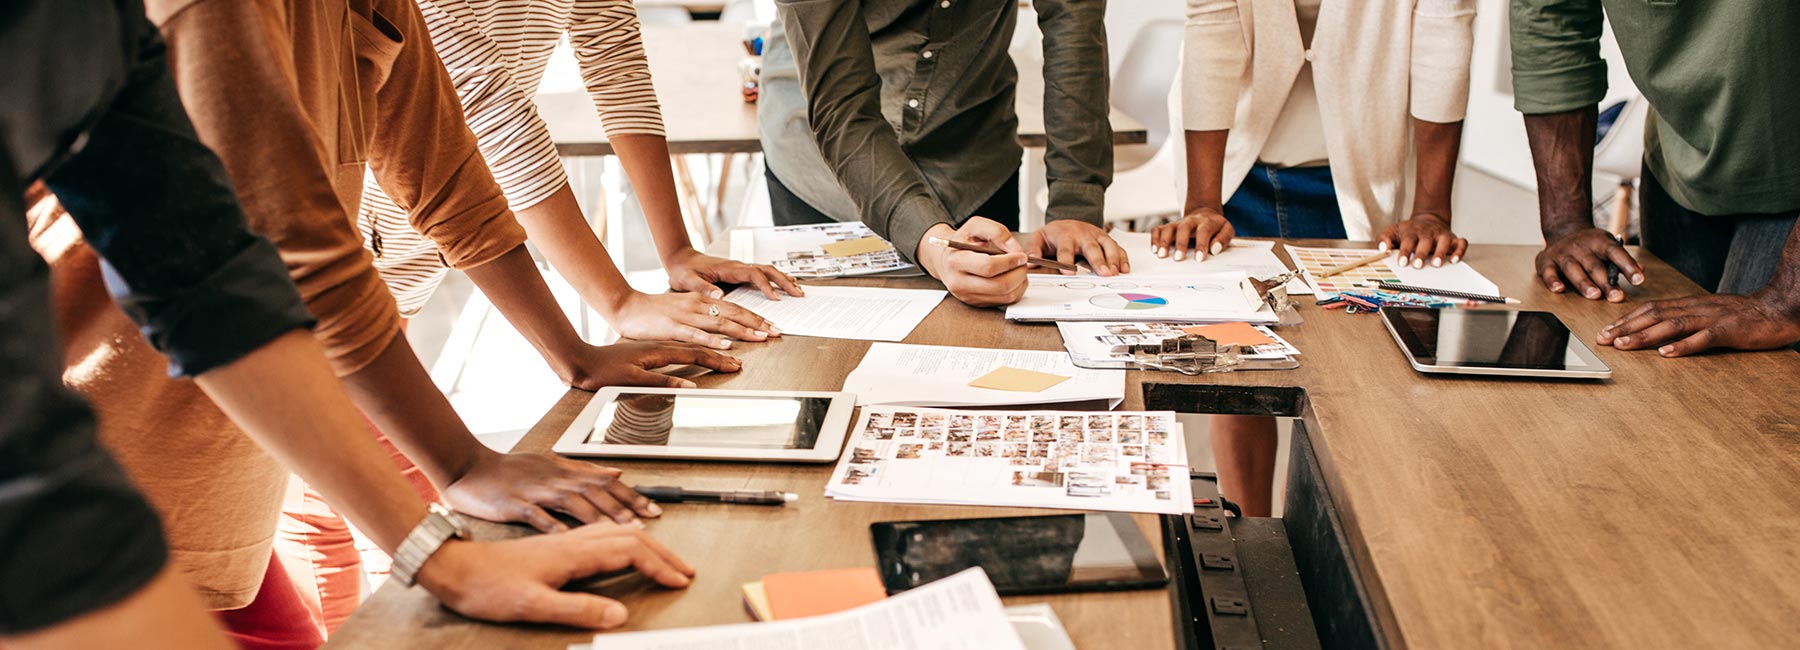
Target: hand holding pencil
[(981, 279)]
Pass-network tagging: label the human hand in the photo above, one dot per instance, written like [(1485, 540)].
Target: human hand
[(1579, 258), (978, 279), (1425, 235), (629, 363), (1683, 326), (691, 270), (519, 580), (689, 318), (1201, 232), (1063, 239), (521, 486)]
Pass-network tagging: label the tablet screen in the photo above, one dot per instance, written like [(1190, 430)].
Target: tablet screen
[(1479, 338), (1056, 553), (715, 421)]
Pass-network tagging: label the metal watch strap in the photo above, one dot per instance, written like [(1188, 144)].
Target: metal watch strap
[(439, 525)]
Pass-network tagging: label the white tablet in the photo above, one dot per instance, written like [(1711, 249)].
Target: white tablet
[(1491, 342), (700, 424)]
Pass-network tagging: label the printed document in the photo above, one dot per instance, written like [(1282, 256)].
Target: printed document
[(1255, 257), (934, 375), (863, 313), (1450, 277), (961, 612), (820, 250), (1096, 345), (1097, 460), (1218, 296)]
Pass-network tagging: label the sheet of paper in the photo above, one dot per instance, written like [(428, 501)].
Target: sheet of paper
[(1103, 344), (1453, 277), (1126, 462), (863, 313), (1193, 297), (1231, 333), (801, 251), (857, 246), (1017, 380), (1255, 257), (933, 375), (961, 612)]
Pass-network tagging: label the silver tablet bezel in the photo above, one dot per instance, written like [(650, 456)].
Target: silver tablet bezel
[(1582, 351), (832, 432)]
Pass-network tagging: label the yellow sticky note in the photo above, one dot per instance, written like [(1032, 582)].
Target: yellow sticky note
[(857, 246), (1017, 380)]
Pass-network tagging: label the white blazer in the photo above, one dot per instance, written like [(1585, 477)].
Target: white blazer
[(1376, 65)]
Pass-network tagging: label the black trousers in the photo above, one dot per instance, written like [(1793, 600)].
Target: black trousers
[(1722, 253), (791, 210)]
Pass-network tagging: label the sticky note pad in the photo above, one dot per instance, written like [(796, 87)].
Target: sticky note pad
[(856, 246), (812, 593), (1017, 380), (1227, 333)]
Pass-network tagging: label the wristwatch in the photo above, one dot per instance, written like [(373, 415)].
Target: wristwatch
[(438, 527)]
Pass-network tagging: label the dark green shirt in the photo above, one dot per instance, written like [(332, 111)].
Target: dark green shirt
[(900, 112), (1722, 78)]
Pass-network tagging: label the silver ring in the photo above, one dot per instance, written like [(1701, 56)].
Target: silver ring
[(712, 310)]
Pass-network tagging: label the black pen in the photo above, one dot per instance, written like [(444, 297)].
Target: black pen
[(672, 494), (1612, 270)]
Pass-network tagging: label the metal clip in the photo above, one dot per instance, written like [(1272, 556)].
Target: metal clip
[(1189, 354), (1273, 292)]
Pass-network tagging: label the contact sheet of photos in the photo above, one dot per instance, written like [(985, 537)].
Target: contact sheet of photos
[(1121, 461)]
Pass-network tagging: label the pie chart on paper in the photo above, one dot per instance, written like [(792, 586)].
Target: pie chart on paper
[(1128, 301)]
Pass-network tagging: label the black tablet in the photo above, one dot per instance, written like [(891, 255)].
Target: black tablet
[(1022, 555), (1491, 342)]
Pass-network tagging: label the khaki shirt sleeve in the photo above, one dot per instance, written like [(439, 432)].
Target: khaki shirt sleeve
[(1443, 40), (1215, 60), (234, 66), (421, 150)]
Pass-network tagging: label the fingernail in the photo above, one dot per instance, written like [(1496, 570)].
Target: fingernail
[(774, 330), (637, 522), (1623, 340), (1216, 247), (716, 294), (1179, 255), (1382, 247), (762, 334), (1419, 263), (655, 510), (1616, 295), (724, 344), (1666, 350), (1455, 258), (1608, 328), (614, 615), (1437, 261), (688, 384), (1591, 292), (1637, 278)]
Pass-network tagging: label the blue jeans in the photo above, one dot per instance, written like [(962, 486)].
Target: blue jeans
[(1290, 203)]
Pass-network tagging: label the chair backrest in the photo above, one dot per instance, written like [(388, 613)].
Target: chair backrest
[(1141, 87), (1621, 152)]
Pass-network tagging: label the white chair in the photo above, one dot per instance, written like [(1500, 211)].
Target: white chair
[(1621, 155)]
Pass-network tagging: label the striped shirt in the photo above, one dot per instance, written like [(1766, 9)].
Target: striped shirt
[(496, 52)]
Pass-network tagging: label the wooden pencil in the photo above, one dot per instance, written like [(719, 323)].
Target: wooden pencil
[(1351, 265), (989, 250)]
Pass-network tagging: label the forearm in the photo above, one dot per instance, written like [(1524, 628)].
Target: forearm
[(515, 286), (558, 228), (397, 395), (164, 614), (1205, 170), (1438, 145), (309, 424), (646, 162), (1562, 153)]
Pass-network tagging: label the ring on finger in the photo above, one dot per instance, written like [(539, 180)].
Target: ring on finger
[(712, 310)]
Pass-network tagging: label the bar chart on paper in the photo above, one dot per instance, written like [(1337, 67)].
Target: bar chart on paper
[(1219, 296)]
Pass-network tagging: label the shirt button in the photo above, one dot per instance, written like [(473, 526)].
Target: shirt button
[(914, 103), (1309, 55), (945, 4), (926, 54)]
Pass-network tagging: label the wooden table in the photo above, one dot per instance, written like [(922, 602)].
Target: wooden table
[(1657, 509), (697, 82)]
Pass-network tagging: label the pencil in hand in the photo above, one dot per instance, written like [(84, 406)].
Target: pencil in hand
[(990, 250)]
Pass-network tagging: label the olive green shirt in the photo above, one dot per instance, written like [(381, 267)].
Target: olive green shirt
[(1722, 78), (900, 113)]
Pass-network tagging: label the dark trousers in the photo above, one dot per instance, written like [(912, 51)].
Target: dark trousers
[(790, 210), (1721, 253)]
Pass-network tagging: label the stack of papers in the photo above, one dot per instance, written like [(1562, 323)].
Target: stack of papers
[(819, 251), (932, 375), (1107, 345), (961, 612), (1127, 462), (1450, 277), (862, 313), (1255, 257), (1220, 296)]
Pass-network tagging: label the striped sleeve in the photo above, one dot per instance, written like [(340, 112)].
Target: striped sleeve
[(607, 42)]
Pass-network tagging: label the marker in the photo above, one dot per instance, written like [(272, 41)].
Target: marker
[(989, 250), (671, 494)]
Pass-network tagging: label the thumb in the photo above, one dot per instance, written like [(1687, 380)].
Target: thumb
[(546, 605)]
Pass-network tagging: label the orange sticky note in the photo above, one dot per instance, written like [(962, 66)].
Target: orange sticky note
[(812, 593), (1017, 380), (857, 246), (1227, 333)]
